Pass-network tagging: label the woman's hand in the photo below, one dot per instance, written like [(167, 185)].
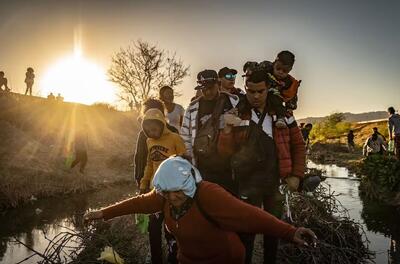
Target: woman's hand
[(91, 216), (303, 235)]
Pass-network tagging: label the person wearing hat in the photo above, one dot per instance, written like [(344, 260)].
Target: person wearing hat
[(203, 217), (262, 156), (227, 78), (199, 112)]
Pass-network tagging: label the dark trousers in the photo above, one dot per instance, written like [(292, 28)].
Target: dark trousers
[(155, 236), (270, 243), (397, 145), (28, 89), (275, 102), (81, 157)]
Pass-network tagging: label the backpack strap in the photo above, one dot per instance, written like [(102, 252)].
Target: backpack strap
[(218, 109), (204, 213), (201, 209)]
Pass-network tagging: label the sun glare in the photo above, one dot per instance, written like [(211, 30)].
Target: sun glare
[(78, 80)]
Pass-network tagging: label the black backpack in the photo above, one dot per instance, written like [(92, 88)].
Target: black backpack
[(205, 142), (251, 154)]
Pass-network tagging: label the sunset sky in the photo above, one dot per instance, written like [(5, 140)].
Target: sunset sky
[(347, 54)]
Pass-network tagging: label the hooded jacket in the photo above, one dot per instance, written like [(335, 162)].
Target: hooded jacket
[(289, 144), (159, 149)]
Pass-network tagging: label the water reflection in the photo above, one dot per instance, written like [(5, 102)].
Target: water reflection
[(30, 225), (380, 221)]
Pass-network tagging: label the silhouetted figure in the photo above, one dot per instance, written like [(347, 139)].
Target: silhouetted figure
[(3, 82), (305, 131), (29, 80), (81, 144), (59, 98), (51, 97), (350, 141)]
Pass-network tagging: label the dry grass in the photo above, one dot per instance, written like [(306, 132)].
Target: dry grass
[(37, 137)]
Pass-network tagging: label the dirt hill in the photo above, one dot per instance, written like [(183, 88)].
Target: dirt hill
[(37, 138)]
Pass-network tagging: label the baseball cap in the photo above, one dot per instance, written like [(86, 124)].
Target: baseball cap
[(206, 77), (222, 72)]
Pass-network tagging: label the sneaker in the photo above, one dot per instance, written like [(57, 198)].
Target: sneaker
[(280, 123)]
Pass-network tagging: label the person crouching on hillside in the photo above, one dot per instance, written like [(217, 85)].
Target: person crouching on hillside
[(161, 144)]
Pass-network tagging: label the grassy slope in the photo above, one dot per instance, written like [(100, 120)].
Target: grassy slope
[(335, 150), (36, 137)]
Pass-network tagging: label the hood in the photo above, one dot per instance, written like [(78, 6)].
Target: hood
[(177, 174), (155, 114)]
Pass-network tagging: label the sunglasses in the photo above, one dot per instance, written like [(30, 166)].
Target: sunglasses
[(230, 76)]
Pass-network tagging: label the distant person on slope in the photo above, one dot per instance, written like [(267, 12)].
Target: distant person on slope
[(394, 130), (59, 98), (81, 146), (305, 131), (350, 141), (51, 97), (29, 80), (3, 82)]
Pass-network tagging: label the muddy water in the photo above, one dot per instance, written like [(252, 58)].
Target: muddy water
[(30, 223), (381, 222), (27, 224)]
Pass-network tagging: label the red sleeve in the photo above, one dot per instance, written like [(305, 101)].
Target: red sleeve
[(148, 203), (234, 215), (298, 152)]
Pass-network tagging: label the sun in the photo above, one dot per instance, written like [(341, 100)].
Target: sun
[(78, 80)]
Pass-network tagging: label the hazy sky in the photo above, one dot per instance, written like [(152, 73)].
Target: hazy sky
[(347, 52)]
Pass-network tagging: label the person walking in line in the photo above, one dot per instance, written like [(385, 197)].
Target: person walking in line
[(174, 112), (350, 141), (203, 217), (29, 80), (261, 155), (201, 125)]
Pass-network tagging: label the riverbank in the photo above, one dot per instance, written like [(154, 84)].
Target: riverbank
[(338, 154), (37, 148), (379, 176)]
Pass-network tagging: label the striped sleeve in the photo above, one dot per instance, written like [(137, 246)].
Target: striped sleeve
[(186, 132)]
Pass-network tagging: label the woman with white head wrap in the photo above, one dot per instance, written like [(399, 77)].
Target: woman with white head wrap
[(189, 204)]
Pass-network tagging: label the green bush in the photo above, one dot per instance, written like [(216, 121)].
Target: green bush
[(383, 172), (326, 130)]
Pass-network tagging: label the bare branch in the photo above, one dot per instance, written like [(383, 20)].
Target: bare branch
[(141, 69)]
